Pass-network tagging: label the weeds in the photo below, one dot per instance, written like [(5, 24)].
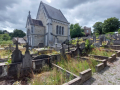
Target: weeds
[(53, 77)]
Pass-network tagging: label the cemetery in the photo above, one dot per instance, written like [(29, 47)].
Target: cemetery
[(73, 64)]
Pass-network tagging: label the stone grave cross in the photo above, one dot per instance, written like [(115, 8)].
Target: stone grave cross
[(16, 54), (16, 44), (27, 60), (27, 47)]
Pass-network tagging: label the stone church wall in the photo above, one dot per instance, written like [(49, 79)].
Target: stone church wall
[(62, 37), (39, 38)]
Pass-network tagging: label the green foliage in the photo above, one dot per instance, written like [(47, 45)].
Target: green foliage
[(1, 32), (17, 33), (98, 28), (76, 31), (4, 37), (119, 30), (111, 33), (111, 25), (5, 42), (88, 47)]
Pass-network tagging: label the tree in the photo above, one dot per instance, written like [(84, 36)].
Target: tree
[(76, 31), (119, 30), (17, 33), (1, 32), (111, 25), (5, 37), (98, 28)]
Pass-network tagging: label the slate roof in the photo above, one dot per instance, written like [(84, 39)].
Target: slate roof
[(20, 40), (54, 13), (37, 22)]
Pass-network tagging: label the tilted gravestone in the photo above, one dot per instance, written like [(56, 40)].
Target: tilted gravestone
[(16, 55)]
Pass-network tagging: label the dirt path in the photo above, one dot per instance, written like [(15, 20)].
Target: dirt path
[(109, 76)]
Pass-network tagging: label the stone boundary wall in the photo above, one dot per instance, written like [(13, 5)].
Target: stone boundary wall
[(116, 47), (100, 57), (99, 67), (116, 42)]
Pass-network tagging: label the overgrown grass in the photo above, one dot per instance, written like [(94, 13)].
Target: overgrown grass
[(52, 77), (100, 52), (74, 42), (4, 43), (76, 66), (4, 53)]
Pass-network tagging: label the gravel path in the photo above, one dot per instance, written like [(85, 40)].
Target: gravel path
[(110, 75)]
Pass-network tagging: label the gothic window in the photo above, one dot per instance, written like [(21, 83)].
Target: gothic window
[(59, 30), (62, 30), (32, 29)]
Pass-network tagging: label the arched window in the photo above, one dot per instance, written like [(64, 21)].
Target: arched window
[(62, 30), (32, 29), (57, 29)]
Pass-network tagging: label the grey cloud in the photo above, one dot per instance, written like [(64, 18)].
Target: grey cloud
[(7, 3)]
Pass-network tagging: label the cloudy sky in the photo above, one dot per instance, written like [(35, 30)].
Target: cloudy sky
[(13, 13)]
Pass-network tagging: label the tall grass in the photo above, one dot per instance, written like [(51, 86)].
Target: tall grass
[(4, 43), (53, 77), (99, 51), (76, 66)]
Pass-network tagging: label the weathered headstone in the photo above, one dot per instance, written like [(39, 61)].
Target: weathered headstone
[(16, 55), (100, 40), (94, 38), (27, 60), (78, 50), (62, 51)]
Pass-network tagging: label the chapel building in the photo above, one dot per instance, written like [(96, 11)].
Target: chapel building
[(49, 27)]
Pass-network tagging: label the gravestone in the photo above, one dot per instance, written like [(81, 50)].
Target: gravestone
[(94, 38), (62, 51), (16, 55), (27, 60), (100, 40), (78, 50)]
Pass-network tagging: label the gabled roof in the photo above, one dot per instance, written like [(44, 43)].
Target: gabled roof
[(54, 13), (37, 22)]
